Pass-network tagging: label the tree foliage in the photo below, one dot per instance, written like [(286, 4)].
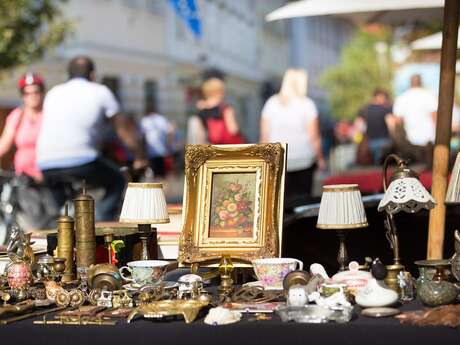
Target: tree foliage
[(361, 69), (28, 28)]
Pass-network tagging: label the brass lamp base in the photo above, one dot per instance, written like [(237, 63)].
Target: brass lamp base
[(392, 277), (342, 255)]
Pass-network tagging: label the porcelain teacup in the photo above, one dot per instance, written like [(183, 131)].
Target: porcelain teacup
[(145, 271), (271, 271)]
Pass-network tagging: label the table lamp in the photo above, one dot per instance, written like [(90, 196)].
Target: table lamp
[(341, 209), (405, 193), (453, 190), (145, 204)]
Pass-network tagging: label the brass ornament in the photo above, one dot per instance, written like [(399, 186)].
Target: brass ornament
[(65, 246), (189, 309), (94, 295), (85, 231), (77, 298), (62, 298)]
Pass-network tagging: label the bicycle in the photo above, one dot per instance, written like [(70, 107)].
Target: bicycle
[(22, 204)]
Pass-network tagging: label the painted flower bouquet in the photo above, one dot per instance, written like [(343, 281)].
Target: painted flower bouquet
[(232, 208)]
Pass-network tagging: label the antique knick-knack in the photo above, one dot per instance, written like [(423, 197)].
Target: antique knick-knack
[(376, 293), (437, 291)]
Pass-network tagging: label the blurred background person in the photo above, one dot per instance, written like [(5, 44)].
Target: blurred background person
[(21, 131), (23, 125), (218, 117), (416, 109), (372, 118), (291, 117), (159, 138), (68, 145)]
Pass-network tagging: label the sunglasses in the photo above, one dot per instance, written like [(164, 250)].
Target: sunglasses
[(37, 92)]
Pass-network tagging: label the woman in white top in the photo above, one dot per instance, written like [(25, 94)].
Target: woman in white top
[(291, 117)]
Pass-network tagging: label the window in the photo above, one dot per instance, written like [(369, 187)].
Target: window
[(113, 83), (150, 96)]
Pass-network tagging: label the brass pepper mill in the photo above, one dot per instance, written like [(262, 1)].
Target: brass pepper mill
[(65, 225), (85, 231)]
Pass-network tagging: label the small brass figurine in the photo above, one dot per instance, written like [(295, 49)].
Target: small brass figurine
[(189, 309)]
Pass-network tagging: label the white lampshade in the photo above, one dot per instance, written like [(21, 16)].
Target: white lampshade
[(341, 208), (406, 194), (453, 190), (144, 203)]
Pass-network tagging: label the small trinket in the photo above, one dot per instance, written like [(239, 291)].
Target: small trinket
[(260, 317), (407, 286), (105, 300), (190, 286), (121, 299), (77, 298), (376, 293), (297, 296), (189, 309), (222, 316)]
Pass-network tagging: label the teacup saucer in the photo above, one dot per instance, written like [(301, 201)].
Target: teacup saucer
[(137, 287), (267, 288)]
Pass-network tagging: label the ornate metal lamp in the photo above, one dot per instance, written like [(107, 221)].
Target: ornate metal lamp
[(404, 193), (145, 204), (453, 190), (341, 209)]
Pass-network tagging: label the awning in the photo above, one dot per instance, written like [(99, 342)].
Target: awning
[(363, 10), (431, 42)]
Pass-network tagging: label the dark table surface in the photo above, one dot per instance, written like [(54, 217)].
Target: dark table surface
[(360, 330)]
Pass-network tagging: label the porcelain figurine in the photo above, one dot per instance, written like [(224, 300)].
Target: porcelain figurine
[(376, 293), (297, 296), (336, 300), (318, 269)]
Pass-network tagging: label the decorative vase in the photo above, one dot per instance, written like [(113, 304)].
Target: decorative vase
[(19, 275), (437, 291), (434, 293), (425, 275)]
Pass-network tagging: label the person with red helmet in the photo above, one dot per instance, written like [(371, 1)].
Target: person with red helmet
[(21, 130), (23, 125)]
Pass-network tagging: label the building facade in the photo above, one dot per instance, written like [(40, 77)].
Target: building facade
[(144, 51)]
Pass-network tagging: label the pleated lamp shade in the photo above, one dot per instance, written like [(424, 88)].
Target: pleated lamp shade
[(453, 190), (144, 203), (341, 208)]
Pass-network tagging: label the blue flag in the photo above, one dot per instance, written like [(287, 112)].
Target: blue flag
[(187, 10)]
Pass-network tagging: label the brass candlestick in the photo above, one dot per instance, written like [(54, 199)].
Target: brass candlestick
[(108, 239), (148, 237), (225, 270), (342, 256), (85, 232), (65, 225)]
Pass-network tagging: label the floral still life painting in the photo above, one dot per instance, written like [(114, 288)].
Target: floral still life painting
[(232, 205)]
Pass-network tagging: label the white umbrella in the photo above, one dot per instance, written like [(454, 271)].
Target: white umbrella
[(431, 42), (358, 10)]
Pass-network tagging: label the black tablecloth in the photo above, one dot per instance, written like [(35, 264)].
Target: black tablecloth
[(360, 330)]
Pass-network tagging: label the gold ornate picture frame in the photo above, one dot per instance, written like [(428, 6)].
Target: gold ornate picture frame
[(233, 202)]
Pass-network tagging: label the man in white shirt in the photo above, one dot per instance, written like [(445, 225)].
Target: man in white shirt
[(416, 108), (67, 149)]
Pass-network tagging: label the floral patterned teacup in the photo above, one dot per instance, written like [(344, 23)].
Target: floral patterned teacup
[(145, 271), (271, 271)]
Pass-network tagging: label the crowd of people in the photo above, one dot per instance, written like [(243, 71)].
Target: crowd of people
[(407, 126), (57, 134)]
